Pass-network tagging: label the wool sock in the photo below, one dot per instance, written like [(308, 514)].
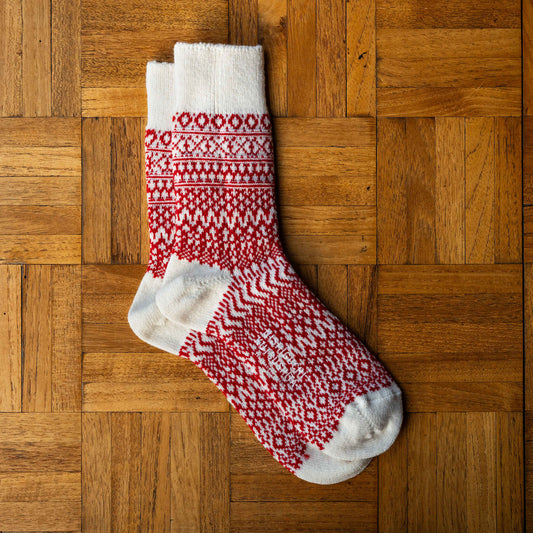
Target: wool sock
[(228, 275), (252, 402)]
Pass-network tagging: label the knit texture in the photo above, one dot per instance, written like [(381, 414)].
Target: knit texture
[(230, 376), (229, 277)]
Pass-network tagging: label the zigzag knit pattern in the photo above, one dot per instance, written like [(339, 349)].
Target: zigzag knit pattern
[(310, 363)]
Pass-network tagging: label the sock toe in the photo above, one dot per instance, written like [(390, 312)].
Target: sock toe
[(322, 469), (369, 425)]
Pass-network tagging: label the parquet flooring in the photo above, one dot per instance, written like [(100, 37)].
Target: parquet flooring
[(404, 159)]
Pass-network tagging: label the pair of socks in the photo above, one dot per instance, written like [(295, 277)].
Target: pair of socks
[(219, 290)]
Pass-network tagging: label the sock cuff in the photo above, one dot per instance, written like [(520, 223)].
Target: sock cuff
[(160, 95), (219, 78)]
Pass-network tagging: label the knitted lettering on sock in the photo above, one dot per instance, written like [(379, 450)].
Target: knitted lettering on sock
[(229, 375), (228, 277)]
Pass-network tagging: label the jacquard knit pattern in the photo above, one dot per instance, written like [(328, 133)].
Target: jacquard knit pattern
[(211, 355), (161, 198), (310, 363)]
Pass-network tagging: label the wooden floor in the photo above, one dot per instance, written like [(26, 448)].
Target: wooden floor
[(403, 201)]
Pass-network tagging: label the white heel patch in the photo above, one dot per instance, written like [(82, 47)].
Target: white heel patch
[(191, 292)]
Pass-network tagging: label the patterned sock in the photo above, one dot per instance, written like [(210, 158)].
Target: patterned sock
[(231, 377), (228, 276)]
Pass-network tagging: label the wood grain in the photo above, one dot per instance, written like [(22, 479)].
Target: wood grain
[(301, 58), (400, 130), (11, 337), (272, 34), (36, 58), (331, 59), (11, 58)]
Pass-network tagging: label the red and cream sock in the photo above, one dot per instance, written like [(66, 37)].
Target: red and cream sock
[(228, 276), (230, 375)]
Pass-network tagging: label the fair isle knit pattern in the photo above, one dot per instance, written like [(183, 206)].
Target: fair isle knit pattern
[(225, 371), (311, 365), (161, 198)]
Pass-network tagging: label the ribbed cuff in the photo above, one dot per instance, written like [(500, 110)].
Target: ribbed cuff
[(219, 78), (160, 93)]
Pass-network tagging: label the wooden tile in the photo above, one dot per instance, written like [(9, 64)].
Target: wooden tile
[(118, 40), (448, 101), (303, 516), (393, 485), (36, 58), (327, 220), (126, 175), (66, 58), (479, 191), (301, 58), (449, 72), (459, 321), (510, 471), (43, 224), (51, 367), (527, 56), (450, 190), (332, 284), (507, 190), (43, 191), (362, 303), (66, 338), (421, 472), (451, 467), (39, 442), (48, 516), (527, 160), (447, 14), (96, 154), (11, 338), (448, 42), (200, 460), (481, 475), (332, 249), (155, 472), (242, 20), (126, 463), (96, 469), (456, 197), (528, 463), (361, 58), (272, 34), (333, 132), (114, 102), (147, 382), (11, 58), (41, 249), (528, 334), (37, 335), (406, 177), (331, 59), (48, 486)]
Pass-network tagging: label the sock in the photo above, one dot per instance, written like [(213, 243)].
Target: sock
[(228, 275), (231, 377)]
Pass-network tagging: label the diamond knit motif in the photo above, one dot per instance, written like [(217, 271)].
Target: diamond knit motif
[(310, 363)]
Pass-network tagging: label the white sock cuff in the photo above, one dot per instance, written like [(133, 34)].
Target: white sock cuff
[(219, 78), (160, 93)]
